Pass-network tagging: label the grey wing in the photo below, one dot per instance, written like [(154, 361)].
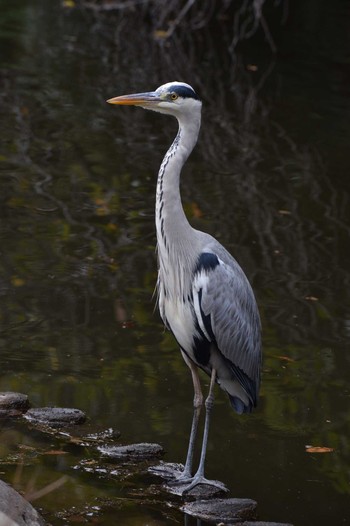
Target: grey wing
[(227, 313)]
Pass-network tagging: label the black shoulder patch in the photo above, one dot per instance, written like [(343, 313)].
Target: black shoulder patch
[(207, 261), (185, 92), (206, 319)]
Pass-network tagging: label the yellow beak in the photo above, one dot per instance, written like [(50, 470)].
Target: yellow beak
[(137, 99)]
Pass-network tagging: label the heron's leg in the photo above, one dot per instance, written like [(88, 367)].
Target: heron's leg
[(208, 407), (186, 475), (197, 405), (199, 476)]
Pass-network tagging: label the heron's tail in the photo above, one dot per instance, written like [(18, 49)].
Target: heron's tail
[(239, 406)]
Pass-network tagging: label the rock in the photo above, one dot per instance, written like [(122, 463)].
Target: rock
[(132, 452), (55, 416), (10, 413), (166, 470), (80, 437), (105, 471), (14, 401), (15, 510), (259, 523), (222, 510), (102, 435)]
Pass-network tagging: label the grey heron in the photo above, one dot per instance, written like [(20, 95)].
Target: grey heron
[(204, 297)]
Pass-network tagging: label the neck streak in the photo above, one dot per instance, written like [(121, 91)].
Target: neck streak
[(171, 223), (175, 239)]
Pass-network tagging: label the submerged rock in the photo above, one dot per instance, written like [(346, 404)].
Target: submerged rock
[(222, 510), (92, 438), (103, 435), (10, 401), (15, 510), (10, 413), (104, 470), (132, 452), (259, 523), (55, 416)]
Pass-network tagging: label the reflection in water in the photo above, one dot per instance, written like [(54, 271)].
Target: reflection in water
[(77, 259), (189, 522)]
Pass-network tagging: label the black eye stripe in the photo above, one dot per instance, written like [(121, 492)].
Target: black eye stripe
[(184, 92)]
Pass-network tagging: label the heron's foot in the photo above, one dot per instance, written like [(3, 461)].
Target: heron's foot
[(183, 478), (200, 479)]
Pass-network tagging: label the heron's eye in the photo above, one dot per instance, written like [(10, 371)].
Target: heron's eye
[(174, 96)]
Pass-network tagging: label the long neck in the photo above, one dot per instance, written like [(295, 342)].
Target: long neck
[(171, 223), (175, 236)]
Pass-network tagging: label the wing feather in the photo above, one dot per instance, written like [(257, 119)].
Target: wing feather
[(228, 311)]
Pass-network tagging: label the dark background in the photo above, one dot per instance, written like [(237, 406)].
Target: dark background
[(269, 178)]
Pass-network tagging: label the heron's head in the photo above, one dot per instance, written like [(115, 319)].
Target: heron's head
[(173, 98)]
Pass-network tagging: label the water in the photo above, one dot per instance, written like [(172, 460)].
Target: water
[(269, 179)]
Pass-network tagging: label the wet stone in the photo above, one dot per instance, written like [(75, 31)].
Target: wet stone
[(15, 510), (10, 401), (132, 452), (10, 413), (166, 470), (55, 416), (222, 510), (258, 523), (103, 471), (93, 438), (102, 435)]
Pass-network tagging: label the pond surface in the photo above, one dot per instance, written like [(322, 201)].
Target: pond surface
[(269, 178)]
